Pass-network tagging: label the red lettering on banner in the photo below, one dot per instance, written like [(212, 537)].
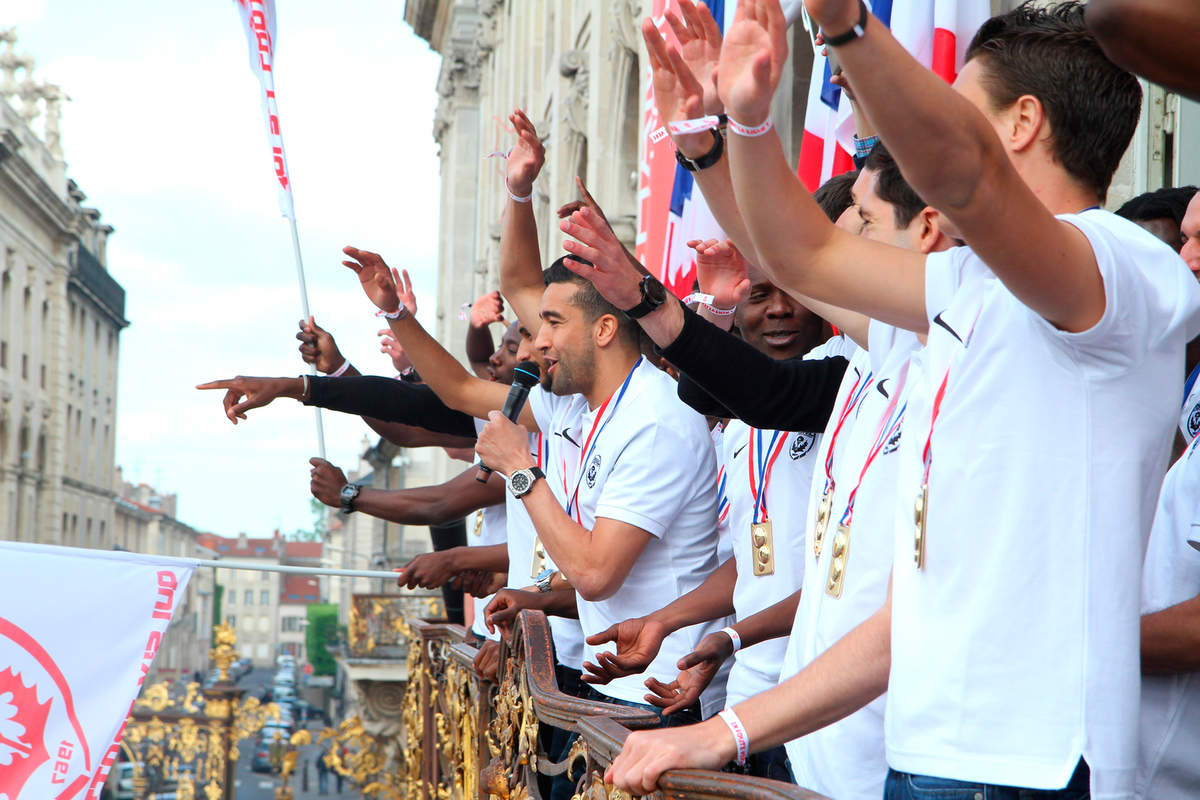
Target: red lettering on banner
[(152, 644), (63, 764), (274, 123), (110, 757), (258, 23), (280, 172), (166, 591)]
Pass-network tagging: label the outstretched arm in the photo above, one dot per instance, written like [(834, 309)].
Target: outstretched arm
[(843, 679), (1153, 38), (520, 257), (456, 387)]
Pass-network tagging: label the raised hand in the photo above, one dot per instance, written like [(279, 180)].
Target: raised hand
[(326, 482), (585, 201), (378, 281), (404, 291), (527, 156), (318, 348), (722, 271), (677, 92), (243, 394), (638, 642), (389, 346), (699, 47), (752, 59), (486, 310), (611, 272)]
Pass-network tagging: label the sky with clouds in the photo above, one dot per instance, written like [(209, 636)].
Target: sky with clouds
[(164, 133)]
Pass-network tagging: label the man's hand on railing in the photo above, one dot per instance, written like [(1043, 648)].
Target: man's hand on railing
[(648, 754), (507, 604), (479, 582), (487, 660), (638, 642)]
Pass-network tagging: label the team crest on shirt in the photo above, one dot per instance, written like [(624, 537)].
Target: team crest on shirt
[(892, 443), (801, 445), (593, 469), (1193, 421)]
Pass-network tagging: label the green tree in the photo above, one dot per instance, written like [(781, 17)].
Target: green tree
[(321, 632)]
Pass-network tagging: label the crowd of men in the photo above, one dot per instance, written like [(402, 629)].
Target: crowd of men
[(881, 509)]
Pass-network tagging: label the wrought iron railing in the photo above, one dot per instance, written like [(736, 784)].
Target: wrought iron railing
[(466, 738)]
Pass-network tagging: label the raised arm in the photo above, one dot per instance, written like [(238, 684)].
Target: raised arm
[(520, 256), (480, 346), (443, 373), (1153, 38)]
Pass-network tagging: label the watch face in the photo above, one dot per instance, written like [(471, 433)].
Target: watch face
[(520, 482), (349, 492)]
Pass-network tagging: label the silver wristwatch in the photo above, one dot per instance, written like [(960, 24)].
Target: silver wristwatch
[(520, 483), (542, 581)]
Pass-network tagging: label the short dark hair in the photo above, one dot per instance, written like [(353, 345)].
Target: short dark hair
[(1169, 203), (1092, 104), (834, 196), (891, 186), (589, 300)]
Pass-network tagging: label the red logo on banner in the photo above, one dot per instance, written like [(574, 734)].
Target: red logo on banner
[(25, 749)]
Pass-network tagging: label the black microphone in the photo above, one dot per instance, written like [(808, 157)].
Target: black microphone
[(525, 377)]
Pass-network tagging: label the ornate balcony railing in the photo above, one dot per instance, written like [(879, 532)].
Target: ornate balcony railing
[(465, 738)]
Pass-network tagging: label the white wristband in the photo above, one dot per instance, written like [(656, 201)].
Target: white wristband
[(750, 132), (399, 313), (717, 311), (740, 737), (518, 198), (340, 371), (733, 635)]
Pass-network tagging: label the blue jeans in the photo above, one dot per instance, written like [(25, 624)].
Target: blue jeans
[(906, 786), (557, 742)]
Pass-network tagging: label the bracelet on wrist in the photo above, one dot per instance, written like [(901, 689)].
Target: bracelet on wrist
[(399, 313), (304, 389), (516, 197), (856, 32), (340, 371), (740, 737), (733, 636), (750, 131), (708, 159)]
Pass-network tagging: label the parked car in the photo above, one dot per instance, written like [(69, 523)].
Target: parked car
[(283, 693), (285, 676), (262, 756)]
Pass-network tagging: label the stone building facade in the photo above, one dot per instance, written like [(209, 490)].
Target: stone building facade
[(61, 315)]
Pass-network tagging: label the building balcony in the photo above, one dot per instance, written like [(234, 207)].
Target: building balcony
[(444, 733)]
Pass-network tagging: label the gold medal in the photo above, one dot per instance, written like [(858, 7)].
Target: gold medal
[(762, 546), (837, 561), (823, 512), (539, 558), (922, 511), (478, 529)]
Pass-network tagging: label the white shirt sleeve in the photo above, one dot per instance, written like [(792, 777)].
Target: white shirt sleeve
[(1148, 294), (648, 490)]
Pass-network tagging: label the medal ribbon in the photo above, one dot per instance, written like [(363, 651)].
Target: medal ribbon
[(603, 416), (856, 394), (764, 460), (722, 500), (889, 423)]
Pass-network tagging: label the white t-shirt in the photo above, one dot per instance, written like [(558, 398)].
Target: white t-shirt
[(1169, 757), (566, 633), (651, 464), (847, 759), (756, 668), (1015, 649)]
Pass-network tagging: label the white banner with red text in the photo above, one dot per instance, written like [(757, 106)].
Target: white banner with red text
[(78, 632), (258, 23)]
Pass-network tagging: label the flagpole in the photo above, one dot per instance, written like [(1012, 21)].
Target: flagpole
[(215, 563), (312, 368)]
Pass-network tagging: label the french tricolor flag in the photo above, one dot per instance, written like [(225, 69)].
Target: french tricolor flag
[(936, 32)]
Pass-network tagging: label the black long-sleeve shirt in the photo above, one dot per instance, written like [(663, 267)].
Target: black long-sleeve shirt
[(389, 400), (724, 376)]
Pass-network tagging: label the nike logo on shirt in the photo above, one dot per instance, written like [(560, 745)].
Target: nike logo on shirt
[(739, 450), (882, 390), (939, 321)]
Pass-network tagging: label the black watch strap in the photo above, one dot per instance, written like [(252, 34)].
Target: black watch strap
[(647, 305), (856, 32), (708, 159)]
